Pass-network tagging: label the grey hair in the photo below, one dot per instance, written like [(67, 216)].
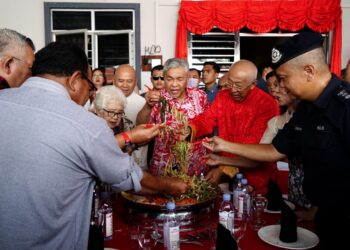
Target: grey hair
[(10, 39), (107, 94), (173, 63)]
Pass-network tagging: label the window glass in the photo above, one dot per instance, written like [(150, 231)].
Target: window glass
[(109, 20), (113, 50), (76, 39), (70, 20)]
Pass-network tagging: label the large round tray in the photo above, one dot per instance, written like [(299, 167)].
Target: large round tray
[(137, 200)]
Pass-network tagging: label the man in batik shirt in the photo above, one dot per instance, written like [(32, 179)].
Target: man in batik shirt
[(174, 106)]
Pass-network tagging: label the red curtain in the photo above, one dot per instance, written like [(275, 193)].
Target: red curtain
[(260, 16)]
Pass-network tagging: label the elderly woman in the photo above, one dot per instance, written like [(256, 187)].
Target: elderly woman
[(109, 104)]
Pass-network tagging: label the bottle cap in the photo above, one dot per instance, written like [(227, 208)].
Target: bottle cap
[(239, 176), (170, 205), (227, 197), (244, 181)]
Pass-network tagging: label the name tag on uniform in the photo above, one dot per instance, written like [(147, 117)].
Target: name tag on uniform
[(320, 128), (297, 128)]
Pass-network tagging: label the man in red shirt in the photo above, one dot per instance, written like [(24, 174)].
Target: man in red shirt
[(240, 113)]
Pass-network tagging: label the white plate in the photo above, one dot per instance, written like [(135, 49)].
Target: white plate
[(290, 204), (306, 239)]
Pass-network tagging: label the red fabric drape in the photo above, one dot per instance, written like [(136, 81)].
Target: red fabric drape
[(260, 16)]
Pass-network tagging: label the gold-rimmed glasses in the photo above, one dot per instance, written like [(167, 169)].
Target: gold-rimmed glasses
[(237, 87)]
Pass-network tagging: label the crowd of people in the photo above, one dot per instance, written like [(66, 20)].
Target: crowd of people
[(64, 126)]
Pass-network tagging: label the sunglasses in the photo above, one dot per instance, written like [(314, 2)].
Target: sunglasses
[(156, 78)]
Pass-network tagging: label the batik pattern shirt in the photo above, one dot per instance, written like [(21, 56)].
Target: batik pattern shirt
[(194, 104)]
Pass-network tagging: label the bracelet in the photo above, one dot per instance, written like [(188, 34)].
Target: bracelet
[(126, 137)]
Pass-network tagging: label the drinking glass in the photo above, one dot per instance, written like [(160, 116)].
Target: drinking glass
[(239, 227), (147, 235), (259, 203)]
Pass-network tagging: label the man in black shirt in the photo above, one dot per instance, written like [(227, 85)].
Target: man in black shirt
[(318, 134)]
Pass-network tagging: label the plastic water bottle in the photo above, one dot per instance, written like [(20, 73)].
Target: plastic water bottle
[(171, 229), (226, 212), (237, 188), (105, 215), (244, 199)]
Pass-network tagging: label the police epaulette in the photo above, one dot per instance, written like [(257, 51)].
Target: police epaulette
[(343, 92)]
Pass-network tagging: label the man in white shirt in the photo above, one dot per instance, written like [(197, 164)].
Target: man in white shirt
[(125, 79)]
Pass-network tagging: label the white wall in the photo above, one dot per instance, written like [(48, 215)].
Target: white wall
[(346, 32), (158, 23)]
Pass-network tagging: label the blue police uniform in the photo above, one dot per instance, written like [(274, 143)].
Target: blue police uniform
[(319, 136)]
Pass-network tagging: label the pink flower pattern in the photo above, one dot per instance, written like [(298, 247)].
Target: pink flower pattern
[(195, 103)]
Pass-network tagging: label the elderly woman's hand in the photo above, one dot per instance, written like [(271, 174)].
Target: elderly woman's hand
[(143, 133)]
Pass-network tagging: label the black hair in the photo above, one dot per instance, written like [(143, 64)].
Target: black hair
[(60, 59), (270, 74), (103, 70), (157, 67), (216, 66), (198, 71)]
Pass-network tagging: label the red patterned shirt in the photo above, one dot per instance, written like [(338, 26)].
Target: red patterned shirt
[(194, 104), (241, 122)]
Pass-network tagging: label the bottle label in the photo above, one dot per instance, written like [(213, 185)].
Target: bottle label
[(174, 238), (240, 206), (223, 218), (230, 221), (109, 225), (165, 233)]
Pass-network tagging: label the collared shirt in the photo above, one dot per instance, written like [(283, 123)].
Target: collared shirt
[(194, 103), (3, 84), (51, 151), (211, 93), (319, 136), (134, 104), (241, 122)]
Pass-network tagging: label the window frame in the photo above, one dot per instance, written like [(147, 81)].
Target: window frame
[(135, 7), (237, 50)]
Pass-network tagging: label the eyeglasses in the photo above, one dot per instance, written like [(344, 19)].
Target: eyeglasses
[(236, 87), (92, 86), (113, 114), (156, 78)]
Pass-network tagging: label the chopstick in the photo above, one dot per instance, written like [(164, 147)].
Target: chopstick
[(148, 87)]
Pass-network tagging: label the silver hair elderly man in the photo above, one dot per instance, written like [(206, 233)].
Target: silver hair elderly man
[(16, 58)]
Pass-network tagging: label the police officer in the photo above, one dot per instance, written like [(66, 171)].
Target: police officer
[(318, 134)]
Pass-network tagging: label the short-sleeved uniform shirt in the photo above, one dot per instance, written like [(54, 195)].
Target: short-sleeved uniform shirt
[(319, 136)]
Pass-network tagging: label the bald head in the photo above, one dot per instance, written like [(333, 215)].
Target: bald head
[(125, 78), (241, 79), (244, 69)]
